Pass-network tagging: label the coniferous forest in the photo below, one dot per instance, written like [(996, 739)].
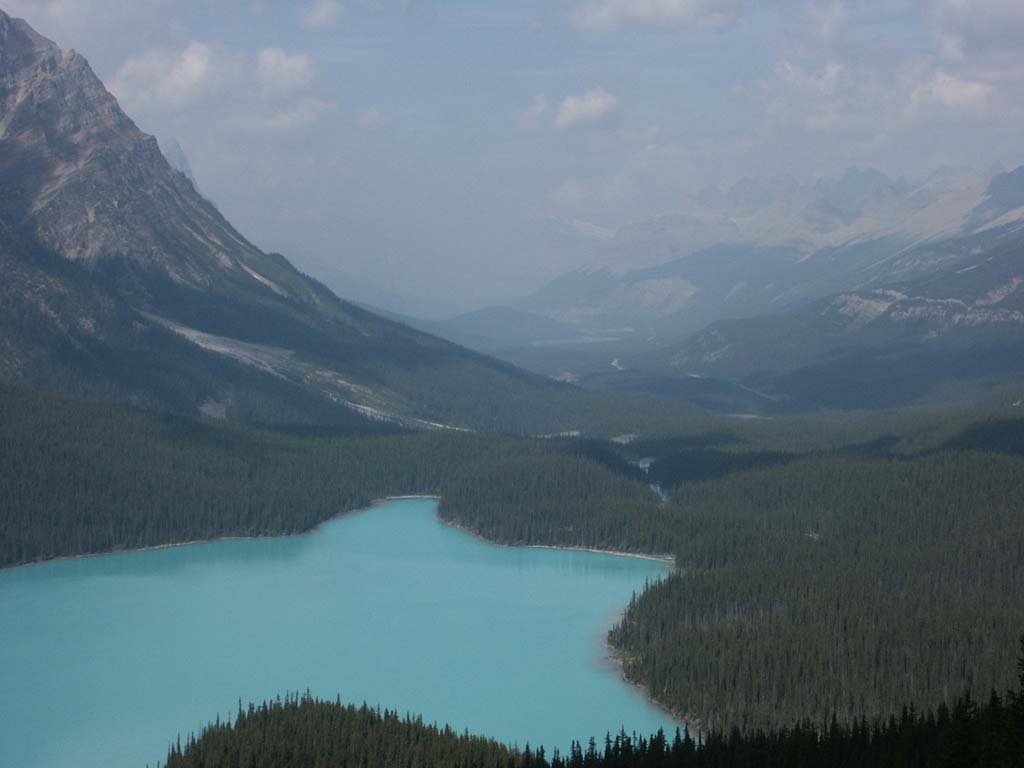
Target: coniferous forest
[(842, 583), (303, 731), (79, 478)]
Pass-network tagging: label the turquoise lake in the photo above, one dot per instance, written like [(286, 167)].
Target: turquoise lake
[(105, 660)]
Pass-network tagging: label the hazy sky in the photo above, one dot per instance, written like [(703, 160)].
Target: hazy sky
[(460, 147)]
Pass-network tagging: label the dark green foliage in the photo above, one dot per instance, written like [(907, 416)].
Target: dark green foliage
[(78, 477), (308, 733), (697, 464), (303, 731), (839, 583), (844, 583), (999, 435), (834, 585)]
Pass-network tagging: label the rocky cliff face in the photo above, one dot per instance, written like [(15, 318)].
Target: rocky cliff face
[(121, 281), (83, 181)]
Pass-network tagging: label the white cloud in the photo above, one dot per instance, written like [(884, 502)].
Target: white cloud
[(950, 91), (828, 19), (595, 104), (302, 113), (322, 13), (823, 83), (611, 15), (532, 115), (977, 27), (267, 92), (170, 79), (283, 73), (851, 105)]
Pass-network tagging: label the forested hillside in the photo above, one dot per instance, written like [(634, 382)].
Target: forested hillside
[(840, 583), (303, 731), (78, 477), (835, 585)]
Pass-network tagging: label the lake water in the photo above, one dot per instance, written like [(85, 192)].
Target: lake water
[(104, 660)]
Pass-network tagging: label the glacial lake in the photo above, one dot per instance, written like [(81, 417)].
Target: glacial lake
[(105, 660)]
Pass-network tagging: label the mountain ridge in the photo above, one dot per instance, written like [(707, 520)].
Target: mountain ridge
[(125, 283), (841, 233)]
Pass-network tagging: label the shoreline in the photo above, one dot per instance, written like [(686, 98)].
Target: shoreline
[(214, 539), (613, 658), (666, 559)]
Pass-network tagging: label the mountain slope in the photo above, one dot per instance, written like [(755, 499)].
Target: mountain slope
[(124, 282), (960, 320), (773, 245)]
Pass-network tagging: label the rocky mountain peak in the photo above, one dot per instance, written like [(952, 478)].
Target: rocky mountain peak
[(82, 181), (20, 44)]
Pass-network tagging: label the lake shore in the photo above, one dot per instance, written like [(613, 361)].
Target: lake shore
[(413, 587), (667, 559)]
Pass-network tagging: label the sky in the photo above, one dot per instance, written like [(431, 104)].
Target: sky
[(455, 153)]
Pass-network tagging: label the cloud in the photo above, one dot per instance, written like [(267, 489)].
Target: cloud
[(237, 92), (170, 79), (595, 104), (302, 113), (847, 104), (283, 73), (950, 91), (611, 15), (533, 114), (976, 27), (828, 19), (322, 13)]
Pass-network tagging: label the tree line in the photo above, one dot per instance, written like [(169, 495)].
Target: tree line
[(304, 731)]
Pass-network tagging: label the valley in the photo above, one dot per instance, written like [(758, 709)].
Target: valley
[(743, 487)]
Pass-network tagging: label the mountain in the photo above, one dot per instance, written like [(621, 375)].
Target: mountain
[(765, 246), (955, 320), (122, 282), (177, 159)]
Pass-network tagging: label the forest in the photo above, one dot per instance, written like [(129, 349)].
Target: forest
[(832, 583), (79, 478), (842, 581), (303, 731)]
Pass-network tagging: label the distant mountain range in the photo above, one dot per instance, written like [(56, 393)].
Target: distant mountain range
[(805, 282), (960, 321), (765, 246), (122, 282)]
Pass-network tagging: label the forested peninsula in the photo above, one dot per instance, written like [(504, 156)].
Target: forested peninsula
[(301, 730)]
